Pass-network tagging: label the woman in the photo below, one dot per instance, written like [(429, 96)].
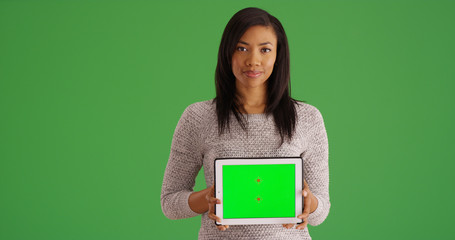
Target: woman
[(252, 115)]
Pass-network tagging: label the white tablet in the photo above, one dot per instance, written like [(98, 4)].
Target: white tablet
[(259, 190)]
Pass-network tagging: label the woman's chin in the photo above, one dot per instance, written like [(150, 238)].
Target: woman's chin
[(256, 83)]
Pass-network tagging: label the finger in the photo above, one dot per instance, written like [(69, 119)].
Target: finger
[(212, 191), (306, 206), (303, 215), (212, 201), (214, 217), (305, 211), (302, 225), (305, 186), (223, 227), (220, 227), (288, 226), (306, 189), (210, 206), (218, 219)]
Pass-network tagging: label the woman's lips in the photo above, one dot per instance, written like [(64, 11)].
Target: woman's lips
[(253, 74)]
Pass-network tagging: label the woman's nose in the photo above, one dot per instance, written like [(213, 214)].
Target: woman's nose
[(253, 59)]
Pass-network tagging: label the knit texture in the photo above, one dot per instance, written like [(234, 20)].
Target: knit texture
[(196, 144)]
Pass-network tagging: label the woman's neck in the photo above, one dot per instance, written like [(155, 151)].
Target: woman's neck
[(252, 100)]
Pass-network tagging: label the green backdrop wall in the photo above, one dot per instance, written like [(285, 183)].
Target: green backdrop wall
[(91, 92)]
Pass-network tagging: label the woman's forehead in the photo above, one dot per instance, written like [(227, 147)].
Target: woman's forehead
[(258, 35)]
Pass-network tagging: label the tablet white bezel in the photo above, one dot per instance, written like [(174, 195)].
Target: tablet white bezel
[(220, 162)]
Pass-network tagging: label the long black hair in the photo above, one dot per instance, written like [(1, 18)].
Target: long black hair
[(279, 102)]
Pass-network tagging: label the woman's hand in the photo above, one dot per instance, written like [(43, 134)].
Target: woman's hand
[(211, 201), (308, 197)]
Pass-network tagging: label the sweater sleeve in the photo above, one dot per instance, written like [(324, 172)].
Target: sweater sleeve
[(185, 161), (316, 167)]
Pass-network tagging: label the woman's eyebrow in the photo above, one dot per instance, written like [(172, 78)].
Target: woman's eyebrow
[(260, 44)]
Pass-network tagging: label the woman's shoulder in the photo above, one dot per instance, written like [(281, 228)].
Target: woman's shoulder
[(200, 110), (307, 112), (200, 107)]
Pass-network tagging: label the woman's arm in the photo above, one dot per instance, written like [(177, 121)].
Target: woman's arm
[(185, 161), (204, 201), (316, 168)]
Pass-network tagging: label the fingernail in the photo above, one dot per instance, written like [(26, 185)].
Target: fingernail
[(305, 193)]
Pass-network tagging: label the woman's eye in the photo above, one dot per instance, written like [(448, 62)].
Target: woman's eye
[(241, 49)]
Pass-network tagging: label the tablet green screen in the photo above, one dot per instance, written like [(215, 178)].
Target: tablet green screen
[(259, 191)]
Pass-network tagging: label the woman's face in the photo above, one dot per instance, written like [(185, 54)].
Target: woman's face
[(254, 57)]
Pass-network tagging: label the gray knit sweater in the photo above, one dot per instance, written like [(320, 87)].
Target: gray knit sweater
[(196, 144)]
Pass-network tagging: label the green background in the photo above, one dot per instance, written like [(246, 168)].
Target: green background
[(259, 191), (91, 92)]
